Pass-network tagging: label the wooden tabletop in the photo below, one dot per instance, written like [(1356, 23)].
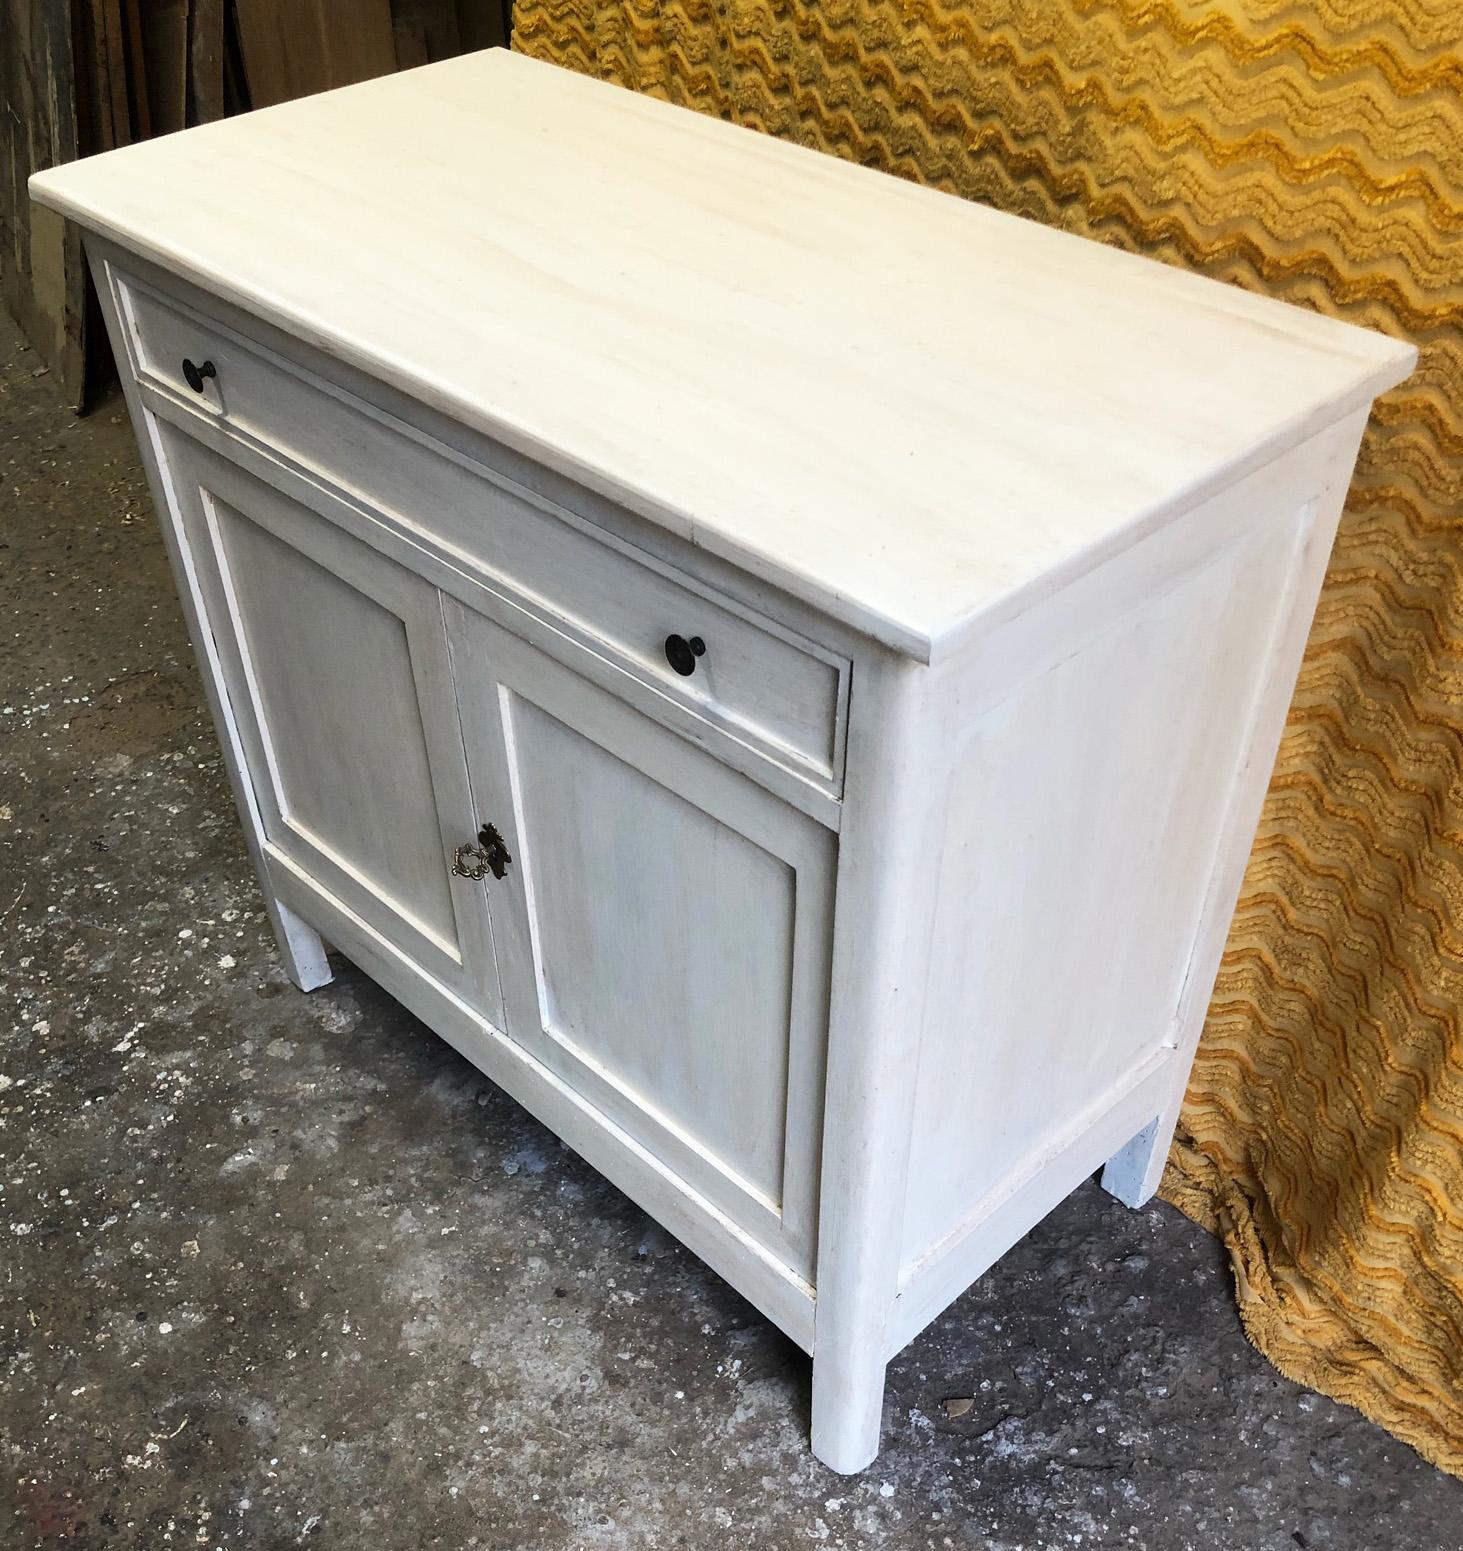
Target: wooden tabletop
[(902, 407)]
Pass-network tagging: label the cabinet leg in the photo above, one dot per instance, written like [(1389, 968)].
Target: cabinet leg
[(848, 1409), (1133, 1173), (300, 947)]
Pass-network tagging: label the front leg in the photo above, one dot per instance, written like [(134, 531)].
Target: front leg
[(301, 948), (1134, 1172), (848, 1402)]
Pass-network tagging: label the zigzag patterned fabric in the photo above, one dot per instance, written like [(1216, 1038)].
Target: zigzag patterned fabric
[(1313, 151)]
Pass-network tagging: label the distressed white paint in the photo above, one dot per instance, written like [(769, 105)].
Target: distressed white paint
[(849, 955), (663, 932), (832, 377), (766, 685), (335, 664)]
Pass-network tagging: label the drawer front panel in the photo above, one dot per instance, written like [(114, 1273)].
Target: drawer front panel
[(767, 686), (163, 340)]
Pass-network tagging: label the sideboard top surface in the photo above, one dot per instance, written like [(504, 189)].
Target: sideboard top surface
[(904, 408)]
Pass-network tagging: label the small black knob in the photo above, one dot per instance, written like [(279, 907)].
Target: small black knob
[(681, 654), (196, 374)]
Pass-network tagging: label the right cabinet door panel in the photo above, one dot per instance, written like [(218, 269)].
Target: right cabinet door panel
[(663, 929)]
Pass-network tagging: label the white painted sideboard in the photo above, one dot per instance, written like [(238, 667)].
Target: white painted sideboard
[(778, 666)]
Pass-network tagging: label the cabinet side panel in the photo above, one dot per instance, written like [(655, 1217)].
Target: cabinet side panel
[(1087, 803)]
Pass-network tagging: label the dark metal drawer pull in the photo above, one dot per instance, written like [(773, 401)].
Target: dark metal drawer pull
[(196, 374), (681, 654)]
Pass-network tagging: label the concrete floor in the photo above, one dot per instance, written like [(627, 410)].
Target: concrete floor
[(280, 1270)]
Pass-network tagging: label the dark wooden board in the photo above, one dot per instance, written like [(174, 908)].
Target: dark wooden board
[(92, 76), (164, 26), (136, 68), (435, 21), (236, 88), (41, 270), (113, 35), (294, 47), (482, 23), (411, 42), (205, 61)]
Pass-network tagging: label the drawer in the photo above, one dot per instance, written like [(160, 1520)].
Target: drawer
[(756, 680)]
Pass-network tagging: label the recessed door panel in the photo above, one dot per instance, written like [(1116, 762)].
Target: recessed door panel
[(337, 670), (664, 944), (663, 929), (332, 681)]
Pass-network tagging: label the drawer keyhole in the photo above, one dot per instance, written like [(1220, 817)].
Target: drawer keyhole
[(681, 654), (195, 375)]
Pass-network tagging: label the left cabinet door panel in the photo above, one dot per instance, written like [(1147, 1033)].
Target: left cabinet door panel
[(336, 667)]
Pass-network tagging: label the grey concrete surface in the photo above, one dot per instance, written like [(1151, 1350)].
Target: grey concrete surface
[(279, 1270)]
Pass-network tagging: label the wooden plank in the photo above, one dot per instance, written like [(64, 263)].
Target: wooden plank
[(164, 34), (93, 78), (293, 48), (236, 85), (411, 42), (136, 69), (436, 21), (205, 99), (482, 23), (42, 278), (112, 36)]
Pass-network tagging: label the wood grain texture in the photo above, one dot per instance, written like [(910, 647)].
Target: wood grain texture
[(639, 363), (135, 57), (113, 32), (163, 26), (1315, 154), (94, 130), (42, 273), (205, 97), (295, 47), (887, 870), (483, 23)]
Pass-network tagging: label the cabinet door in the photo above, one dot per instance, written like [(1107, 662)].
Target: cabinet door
[(335, 660), (663, 929)]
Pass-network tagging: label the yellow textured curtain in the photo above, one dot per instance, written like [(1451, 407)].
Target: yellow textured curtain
[(1315, 152)]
